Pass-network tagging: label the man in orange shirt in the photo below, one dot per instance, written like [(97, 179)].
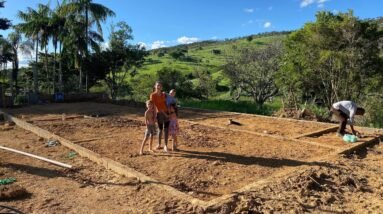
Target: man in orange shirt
[(159, 100)]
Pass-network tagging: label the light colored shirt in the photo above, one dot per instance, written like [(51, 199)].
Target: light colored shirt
[(347, 107), (170, 100)]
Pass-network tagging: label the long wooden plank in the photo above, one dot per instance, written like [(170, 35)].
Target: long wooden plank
[(37, 157), (319, 132), (57, 118)]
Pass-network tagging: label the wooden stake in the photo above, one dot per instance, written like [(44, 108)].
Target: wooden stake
[(37, 157)]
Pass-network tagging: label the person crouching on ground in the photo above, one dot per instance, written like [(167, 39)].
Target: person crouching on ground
[(345, 112), (150, 122), (159, 100)]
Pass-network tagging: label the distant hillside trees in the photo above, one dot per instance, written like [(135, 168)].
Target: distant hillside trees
[(178, 53), (252, 71), (216, 51), (173, 78), (334, 58), (206, 85)]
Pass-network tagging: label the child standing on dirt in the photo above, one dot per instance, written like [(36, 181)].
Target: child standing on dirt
[(171, 103), (173, 125), (150, 122), (170, 99)]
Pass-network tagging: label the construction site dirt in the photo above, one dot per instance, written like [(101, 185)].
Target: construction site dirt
[(261, 164)]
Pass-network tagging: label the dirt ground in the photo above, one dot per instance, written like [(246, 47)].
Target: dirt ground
[(212, 162)]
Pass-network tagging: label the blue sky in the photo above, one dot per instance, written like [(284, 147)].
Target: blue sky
[(159, 23)]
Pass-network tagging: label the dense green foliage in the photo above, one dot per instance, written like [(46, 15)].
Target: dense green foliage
[(334, 58), (252, 71), (337, 57), (234, 106)]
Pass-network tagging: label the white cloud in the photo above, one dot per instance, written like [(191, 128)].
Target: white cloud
[(267, 24), (248, 10), (306, 3), (157, 44), (320, 3), (187, 40), (214, 37), (142, 44)]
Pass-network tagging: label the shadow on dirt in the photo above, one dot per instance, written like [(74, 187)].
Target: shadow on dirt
[(247, 160), (39, 171)]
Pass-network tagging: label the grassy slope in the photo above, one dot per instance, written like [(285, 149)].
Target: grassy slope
[(203, 56)]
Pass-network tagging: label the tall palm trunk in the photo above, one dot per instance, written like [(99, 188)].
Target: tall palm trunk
[(86, 37), (80, 73), (46, 68), (80, 79), (35, 80), (15, 70), (10, 77), (61, 88), (54, 69)]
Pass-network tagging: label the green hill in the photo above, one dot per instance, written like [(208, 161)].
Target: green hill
[(206, 55)]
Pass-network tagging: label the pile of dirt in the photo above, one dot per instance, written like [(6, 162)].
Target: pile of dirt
[(12, 191), (194, 184), (316, 189)]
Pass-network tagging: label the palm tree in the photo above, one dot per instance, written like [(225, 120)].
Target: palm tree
[(94, 14), (57, 32), (75, 42), (16, 42), (33, 27), (5, 57), (45, 16)]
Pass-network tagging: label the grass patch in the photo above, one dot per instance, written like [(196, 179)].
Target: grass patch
[(229, 105)]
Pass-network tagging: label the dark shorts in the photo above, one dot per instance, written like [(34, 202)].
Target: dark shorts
[(163, 121), (151, 130)]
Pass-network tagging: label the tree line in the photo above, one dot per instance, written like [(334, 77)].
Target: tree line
[(73, 29), (336, 57)]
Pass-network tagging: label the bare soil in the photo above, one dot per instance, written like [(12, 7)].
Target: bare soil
[(212, 162), (266, 125)]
